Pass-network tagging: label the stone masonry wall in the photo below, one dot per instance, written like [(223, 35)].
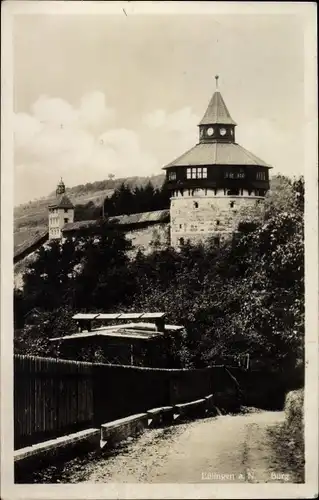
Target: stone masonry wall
[(199, 218), (150, 237)]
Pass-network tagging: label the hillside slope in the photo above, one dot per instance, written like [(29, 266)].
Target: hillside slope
[(32, 217)]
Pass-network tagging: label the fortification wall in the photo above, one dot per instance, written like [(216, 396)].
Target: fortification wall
[(150, 237), (199, 218)]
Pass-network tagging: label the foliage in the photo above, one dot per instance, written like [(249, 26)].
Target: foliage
[(34, 339), (103, 280), (246, 297), (86, 274), (87, 211), (49, 279), (146, 198), (288, 438)]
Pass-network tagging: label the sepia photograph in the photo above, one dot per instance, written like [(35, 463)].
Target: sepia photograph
[(159, 250)]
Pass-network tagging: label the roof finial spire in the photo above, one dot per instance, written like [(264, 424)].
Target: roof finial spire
[(216, 78)]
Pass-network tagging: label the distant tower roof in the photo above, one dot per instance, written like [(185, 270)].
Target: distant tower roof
[(60, 188), (217, 112), (62, 200)]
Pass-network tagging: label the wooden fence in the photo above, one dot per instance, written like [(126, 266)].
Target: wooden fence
[(51, 398)]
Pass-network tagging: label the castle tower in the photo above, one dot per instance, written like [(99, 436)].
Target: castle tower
[(60, 212), (213, 181)]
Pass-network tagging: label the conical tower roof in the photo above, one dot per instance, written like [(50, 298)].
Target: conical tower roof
[(217, 112)]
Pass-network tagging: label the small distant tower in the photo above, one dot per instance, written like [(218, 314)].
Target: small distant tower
[(213, 181), (61, 212)]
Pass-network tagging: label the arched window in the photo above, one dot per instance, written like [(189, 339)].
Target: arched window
[(232, 203), (181, 241), (195, 204)]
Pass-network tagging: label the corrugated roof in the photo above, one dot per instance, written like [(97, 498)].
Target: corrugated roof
[(140, 330), (130, 316), (217, 153), (62, 202), (153, 315), (85, 316), (217, 112), (117, 334), (108, 315)]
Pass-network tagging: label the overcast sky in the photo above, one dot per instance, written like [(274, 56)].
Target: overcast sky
[(120, 94)]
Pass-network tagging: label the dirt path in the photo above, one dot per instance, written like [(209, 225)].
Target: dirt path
[(222, 449)]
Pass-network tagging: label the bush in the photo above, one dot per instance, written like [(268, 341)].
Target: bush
[(288, 438), (294, 414)]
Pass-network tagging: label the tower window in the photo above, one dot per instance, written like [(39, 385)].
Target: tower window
[(66, 220), (234, 175), (172, 176), (65, 210), (195, 204), (217, 223), (181, 241), (232, 203), (196, 173), (261, 176), (229, 175)]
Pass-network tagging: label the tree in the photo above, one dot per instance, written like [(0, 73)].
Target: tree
[(35, 340), (49, 279), (103, 280), (245, 297)]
